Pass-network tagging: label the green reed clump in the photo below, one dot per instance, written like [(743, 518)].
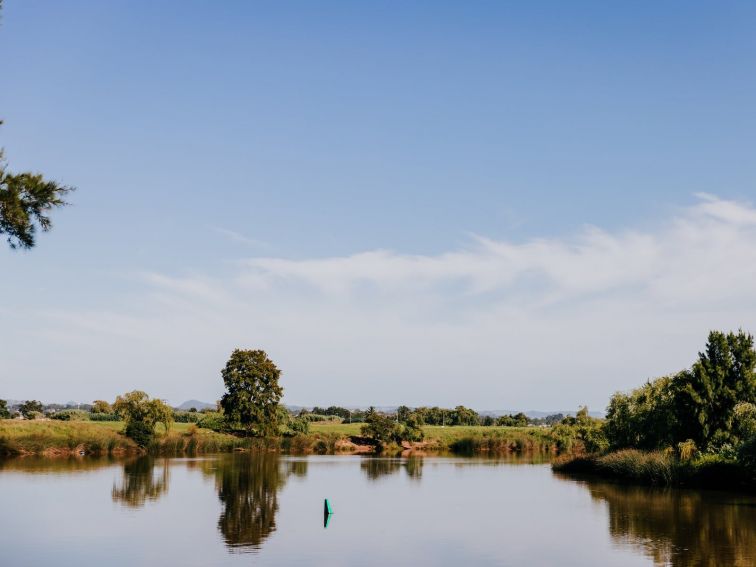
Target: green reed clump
[(104, 417), (662, 468), (501, 440), (654, 467)]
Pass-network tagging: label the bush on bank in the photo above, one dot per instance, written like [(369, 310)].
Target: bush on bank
[(662, 468)]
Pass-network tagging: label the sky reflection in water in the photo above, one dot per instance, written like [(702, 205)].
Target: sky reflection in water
[(425, 510)]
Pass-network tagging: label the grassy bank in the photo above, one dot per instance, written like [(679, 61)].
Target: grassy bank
[(330, 437), (477, 439), (661, 469), (52, 438), (60, 438)]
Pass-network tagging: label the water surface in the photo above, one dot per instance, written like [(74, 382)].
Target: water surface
[(265, 509)]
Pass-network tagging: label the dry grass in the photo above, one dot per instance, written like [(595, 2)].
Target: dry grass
[(50, 437), (57, 438)]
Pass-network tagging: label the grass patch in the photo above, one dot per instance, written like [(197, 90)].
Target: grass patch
[(660, 468), (51, 437)]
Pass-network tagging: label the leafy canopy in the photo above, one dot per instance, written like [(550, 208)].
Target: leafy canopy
[(137, 407), (708, 404), (380, 427), (30, 408), (252, 391), (101, 406)]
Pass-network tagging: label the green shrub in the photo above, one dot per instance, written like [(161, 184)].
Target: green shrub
[(380, 427), (187, 416), (141, 432), (214, 421), (300, 426), (747, 454), (71, 415), (319, 417), (104, 417)]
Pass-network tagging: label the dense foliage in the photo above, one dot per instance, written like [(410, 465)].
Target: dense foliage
[(702, 413), (30, 409), (4, 411), (345, 414), (517, 420), (71, 415), (581, 431), (187, 416), (380, 427), (142, 414), (101, 406), (252, 392), (104, 417)]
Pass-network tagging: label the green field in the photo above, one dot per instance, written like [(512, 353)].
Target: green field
[(345, 429)]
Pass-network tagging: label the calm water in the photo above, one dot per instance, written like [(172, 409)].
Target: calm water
[(268, 510)]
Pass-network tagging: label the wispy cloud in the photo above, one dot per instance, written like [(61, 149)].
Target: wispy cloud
[(709, 247), (543, 323), (241, 239)]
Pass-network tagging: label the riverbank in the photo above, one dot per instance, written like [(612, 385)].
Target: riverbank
[(660, 468), (59, 438), (51, 438)]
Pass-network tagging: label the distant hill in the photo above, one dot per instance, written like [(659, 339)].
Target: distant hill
[(189, 404)]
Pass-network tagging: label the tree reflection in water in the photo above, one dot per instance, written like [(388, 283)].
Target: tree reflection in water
[(142, 481), (681, 527), (248, 486), (377, 467), (414, 466)]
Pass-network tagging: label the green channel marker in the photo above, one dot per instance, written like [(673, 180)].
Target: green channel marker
[(327, 512)]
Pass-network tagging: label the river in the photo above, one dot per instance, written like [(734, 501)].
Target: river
[(266, 509)]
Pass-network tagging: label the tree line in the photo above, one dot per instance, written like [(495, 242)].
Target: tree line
[(459, 415), (707, 408)]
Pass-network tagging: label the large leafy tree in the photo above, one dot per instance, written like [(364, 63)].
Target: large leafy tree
[(706, 395), (252, 391), (646, 417), (708, 403), (4, 411), (380, 427)]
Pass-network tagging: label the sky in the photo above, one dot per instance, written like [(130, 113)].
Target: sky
[(497, 204)]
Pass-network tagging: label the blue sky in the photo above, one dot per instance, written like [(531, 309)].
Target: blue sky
[(433, 202)]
